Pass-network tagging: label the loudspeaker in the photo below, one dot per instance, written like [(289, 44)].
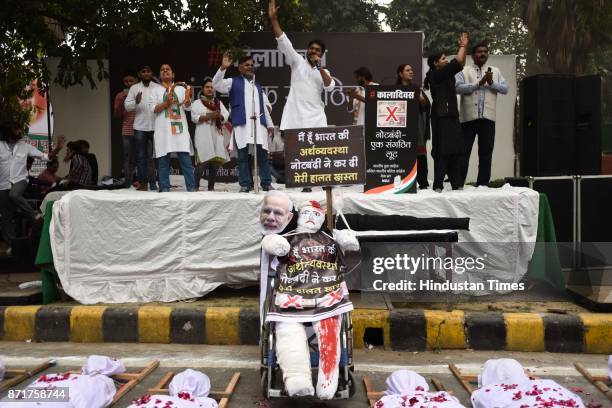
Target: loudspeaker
[(547, 142), (588, 124)]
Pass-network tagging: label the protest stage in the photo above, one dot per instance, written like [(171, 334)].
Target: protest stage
[(127, 246)]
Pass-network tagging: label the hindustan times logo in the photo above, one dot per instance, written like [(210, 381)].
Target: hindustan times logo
[(412, 264)]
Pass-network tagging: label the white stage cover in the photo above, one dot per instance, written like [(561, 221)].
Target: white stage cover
[(128, 246)]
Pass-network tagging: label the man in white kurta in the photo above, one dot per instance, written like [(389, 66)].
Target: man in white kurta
[(251, 120), (171, 131), (304, 107)]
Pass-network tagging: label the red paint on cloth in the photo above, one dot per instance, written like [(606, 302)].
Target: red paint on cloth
[(328, 345)]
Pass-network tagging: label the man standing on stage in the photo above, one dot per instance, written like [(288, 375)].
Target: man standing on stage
[(356, 97), (144, 125), (478, 84), (304, 107), (247, 106)]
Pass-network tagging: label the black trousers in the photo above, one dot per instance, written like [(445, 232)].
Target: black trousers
[(422, 171), (485, 129), (447, 164)]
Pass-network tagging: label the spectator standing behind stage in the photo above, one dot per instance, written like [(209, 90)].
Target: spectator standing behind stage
[(171, 132), (14, 152), (356, 96), (48, 177), (405, 75), (91, 159), (478, 84), (127, 127), (209, 113), (448, 146), (80, 173), (244, 107), (137, 100)]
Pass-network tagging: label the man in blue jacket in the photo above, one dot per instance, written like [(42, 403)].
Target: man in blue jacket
[(247, 102)]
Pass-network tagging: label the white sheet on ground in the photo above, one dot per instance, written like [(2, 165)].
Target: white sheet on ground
[(130, 246)]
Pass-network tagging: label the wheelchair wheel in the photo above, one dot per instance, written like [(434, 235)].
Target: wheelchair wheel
[(351, 383), (264, 382)]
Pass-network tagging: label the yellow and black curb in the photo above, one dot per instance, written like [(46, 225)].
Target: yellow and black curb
[(399, 329)]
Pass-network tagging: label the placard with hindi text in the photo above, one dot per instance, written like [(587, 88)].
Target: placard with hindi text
[(329, 156), (391, 133)]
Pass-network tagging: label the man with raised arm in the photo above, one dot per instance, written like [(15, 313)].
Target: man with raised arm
[(304, 107), (247, 105)]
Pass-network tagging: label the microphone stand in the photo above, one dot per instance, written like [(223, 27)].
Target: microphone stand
[(254, 134)]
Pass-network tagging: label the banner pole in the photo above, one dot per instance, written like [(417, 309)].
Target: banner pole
[(330, 212)]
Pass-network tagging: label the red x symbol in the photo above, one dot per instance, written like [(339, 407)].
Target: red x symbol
[(334, 297), (293, 301), (391, 114)]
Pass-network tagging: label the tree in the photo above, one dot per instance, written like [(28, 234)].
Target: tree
[(567, 32), (78, 31), (443, 21), (343, 15)]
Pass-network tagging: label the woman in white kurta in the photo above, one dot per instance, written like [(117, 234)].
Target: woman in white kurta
[(504, 384), (171, 131), (211, 136), (93, 388), (188, 389)]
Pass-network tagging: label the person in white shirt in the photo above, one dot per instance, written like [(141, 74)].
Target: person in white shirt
[(169, 103), (247, 104), (209, 113), (14, 153), (137, 100), (478, 84), (356, 96), (304, 107)]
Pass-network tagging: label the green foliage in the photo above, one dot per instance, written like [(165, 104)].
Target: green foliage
[(343, 15), (76, 31), (443, 21)]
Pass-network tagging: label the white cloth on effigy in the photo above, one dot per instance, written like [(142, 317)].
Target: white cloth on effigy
[(188, 389), (91, 389), (610, 367), (504, 384), (406, 388)]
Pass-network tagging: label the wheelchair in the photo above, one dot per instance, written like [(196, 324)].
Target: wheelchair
[(271, 375)]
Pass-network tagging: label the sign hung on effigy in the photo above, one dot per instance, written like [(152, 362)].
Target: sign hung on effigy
[(329, 156), (391, 134)]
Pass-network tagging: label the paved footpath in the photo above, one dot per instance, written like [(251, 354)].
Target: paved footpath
[(219, 362)]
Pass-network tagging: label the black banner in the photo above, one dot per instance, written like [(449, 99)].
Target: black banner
[(330, 156), (391, 135), (196, 55)]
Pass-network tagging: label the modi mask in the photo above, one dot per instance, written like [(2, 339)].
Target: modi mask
[(275, 212), (311, 217)]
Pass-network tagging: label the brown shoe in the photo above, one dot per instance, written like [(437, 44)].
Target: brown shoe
[(142, 187)]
